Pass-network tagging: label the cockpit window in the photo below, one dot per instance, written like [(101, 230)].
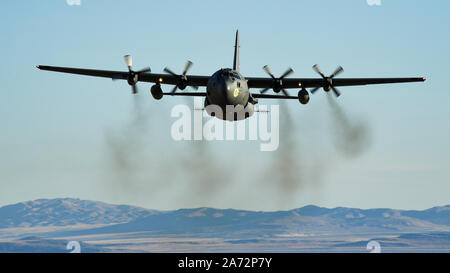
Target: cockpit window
[(229, 73)]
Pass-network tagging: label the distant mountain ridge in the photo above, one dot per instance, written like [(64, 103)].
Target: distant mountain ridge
[(66, 212), (219, 222)]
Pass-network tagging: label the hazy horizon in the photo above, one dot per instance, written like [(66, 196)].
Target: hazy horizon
[(383, 146), (216, 208)]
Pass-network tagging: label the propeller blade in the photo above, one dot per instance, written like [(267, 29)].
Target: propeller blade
[(129, 61), (317, 69), (336, 92), (195, 87), (267, 69), (145, 70), (337, 72), (328, 81), (174, 89), (264, 90), (134, 89), (285, 92), (315, 89), (289, 71), (170, 72), (188, 66)]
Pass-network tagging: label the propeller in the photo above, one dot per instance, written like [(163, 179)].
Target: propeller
[(328, 80), (182, 81), (277, 83), (133, 76)]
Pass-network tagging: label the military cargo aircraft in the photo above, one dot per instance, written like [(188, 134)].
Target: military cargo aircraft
[(228, 87)]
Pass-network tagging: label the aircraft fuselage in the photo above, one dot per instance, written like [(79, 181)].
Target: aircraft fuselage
[(228, 89)]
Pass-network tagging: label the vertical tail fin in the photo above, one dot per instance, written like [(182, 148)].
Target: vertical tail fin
[(236, 52)]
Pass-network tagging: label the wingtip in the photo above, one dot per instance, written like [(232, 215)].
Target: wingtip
[(38, 66), (424, 79)]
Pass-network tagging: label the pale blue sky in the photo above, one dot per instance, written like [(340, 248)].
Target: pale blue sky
[(56, 129)]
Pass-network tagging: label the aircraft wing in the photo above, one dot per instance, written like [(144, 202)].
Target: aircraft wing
[(318, 82), (253, 82), (121, 75)]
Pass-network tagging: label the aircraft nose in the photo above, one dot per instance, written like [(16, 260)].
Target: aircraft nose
[(224, 86), (230, 92)]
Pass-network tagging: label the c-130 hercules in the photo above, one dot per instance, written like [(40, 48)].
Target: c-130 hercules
[(228, 87)]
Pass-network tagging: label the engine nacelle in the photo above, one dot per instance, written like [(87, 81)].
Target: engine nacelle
[(303, 96), (182, 84), (156, 91), (132, 79)]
